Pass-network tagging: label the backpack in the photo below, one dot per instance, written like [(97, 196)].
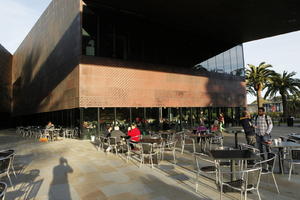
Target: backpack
[(266, 118)]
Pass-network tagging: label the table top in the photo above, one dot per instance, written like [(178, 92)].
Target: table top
[(151, 140), (4, 154), (234, 155), (200, 135), (295, 136), (166, 133), (284, 144)]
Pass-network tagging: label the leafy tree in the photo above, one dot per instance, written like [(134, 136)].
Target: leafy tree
[(257, 78), (285, 85), (293, 104)]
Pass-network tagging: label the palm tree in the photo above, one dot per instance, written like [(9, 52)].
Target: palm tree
[(256, 79), (285, 85), (292, 104)]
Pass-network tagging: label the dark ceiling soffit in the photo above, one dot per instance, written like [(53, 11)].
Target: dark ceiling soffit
[(234, 21)]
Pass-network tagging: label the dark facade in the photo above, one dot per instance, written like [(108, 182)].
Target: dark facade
[(114, 62), (5, 86)]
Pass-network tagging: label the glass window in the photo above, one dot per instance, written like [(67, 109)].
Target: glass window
[(186, 117), (107, 117), (212, 64), (138, 116), (240, 60), (123, 118), (233, 59), (152, 118), (90, 121), (220, 63), (227, 63)]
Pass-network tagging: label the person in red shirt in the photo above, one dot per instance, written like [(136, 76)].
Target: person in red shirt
[(134, 133)]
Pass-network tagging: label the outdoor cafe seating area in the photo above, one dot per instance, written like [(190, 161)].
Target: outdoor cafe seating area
[(47, 134), (232, 169), (240, 169)]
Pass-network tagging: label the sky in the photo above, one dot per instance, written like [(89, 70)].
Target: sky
[(282, 52)]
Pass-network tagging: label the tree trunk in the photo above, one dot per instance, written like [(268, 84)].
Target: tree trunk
[(284, 106), (259, 98)]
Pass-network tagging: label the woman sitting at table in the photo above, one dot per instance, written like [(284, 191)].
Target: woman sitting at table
[(214, 128), (201, 129), (134, 133)]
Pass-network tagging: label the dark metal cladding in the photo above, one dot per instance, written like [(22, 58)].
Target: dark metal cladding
[(45, 66), (5, 85)]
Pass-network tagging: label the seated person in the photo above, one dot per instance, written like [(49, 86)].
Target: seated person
[(107, 132), (201, 129), (215, 126), (117, 133), (50, 125), (134, 133)]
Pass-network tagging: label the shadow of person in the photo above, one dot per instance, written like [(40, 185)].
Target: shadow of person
[(59, 188)]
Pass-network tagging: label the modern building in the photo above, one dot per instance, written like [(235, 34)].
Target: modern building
[(270, 105), (5, 87), (113, 61)]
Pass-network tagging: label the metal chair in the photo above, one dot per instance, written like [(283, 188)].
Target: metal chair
[(147, 150), (187, 141), (295, 160), (112, 143), (133, 149), (249, 180), (11, 153), (3, 187), (211, 169), (243, 146), (69, 133), (5, 163), (171, 147), (268, 166), (101, 141)]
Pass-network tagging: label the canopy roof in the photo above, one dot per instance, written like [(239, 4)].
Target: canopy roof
[(230, 22)]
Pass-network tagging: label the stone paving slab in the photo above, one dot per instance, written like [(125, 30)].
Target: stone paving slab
[(74, 169)]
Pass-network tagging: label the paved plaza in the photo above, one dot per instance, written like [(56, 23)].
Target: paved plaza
[(74, 169)]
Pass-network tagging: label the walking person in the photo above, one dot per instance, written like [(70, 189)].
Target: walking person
[(263, 128), (221, 122), (248, 128)]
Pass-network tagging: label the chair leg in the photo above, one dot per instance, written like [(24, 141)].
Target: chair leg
[(197, 174), (151, 159), (245, 194), (221, 191), (142, 160), (116, 149), (258, 194), (13, 169), (9, 179), (174, 156), (182, 148), (290, 172), (275, 183), (128, 155)]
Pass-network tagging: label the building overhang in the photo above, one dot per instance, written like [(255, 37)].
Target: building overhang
[(225, 23)]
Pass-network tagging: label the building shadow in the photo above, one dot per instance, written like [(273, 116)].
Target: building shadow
[(59, 187)]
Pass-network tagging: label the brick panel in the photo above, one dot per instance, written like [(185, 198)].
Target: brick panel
[(107, 82)]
